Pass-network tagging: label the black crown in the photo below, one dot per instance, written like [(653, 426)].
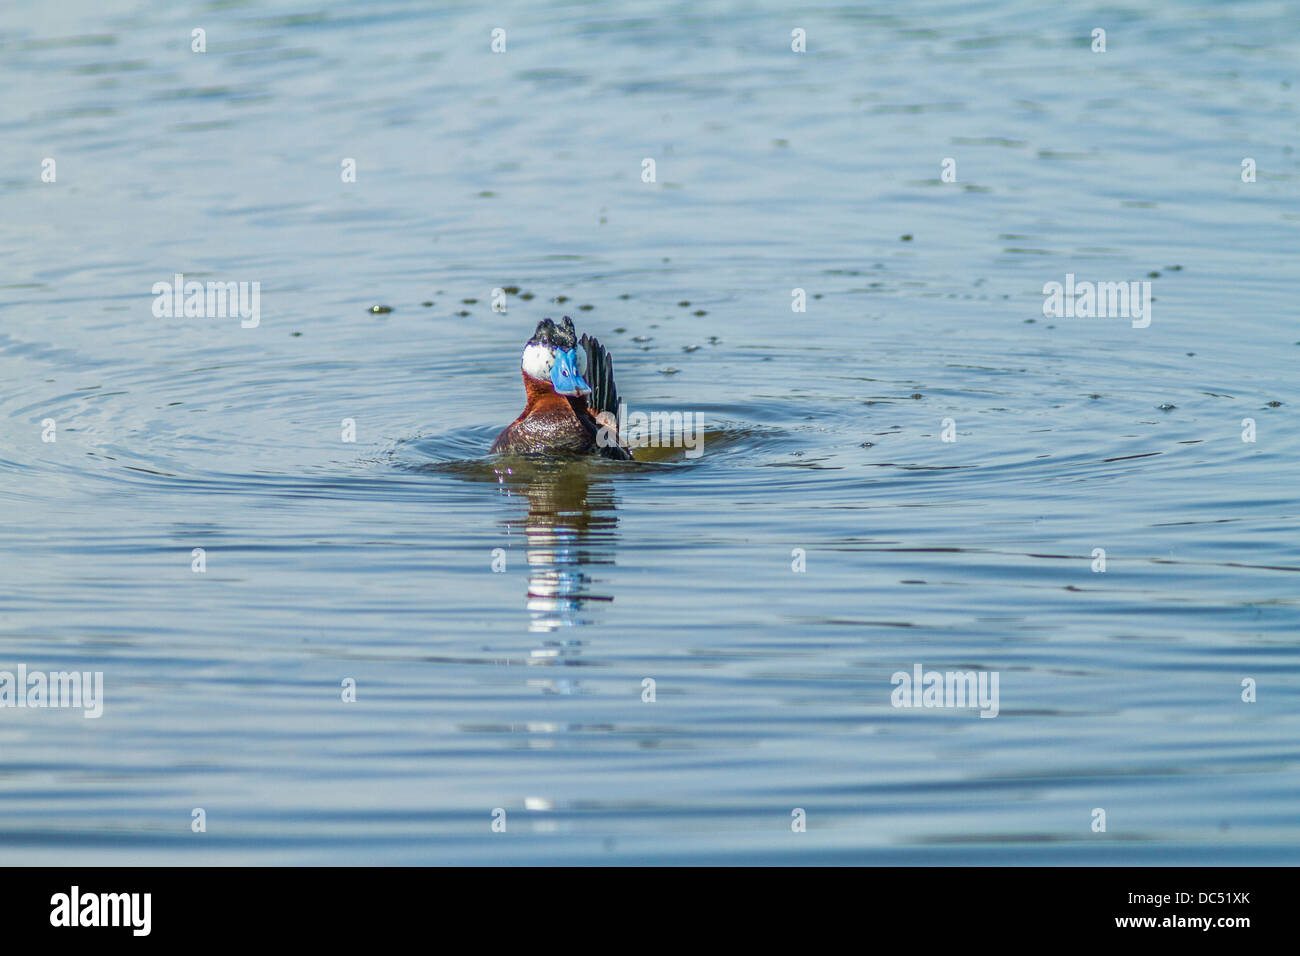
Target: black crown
[(563, 336)]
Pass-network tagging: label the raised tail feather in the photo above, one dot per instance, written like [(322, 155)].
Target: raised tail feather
[(600, 376)]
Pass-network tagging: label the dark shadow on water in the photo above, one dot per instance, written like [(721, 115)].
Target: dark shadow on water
[(569, 529), (565, 520), (464, 452)]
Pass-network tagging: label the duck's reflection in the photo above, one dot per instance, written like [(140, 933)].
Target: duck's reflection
[(569, 529)]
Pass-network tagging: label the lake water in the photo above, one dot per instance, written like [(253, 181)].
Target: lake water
[(521, 689)]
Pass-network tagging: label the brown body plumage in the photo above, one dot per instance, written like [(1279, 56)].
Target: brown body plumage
[(555, 424)]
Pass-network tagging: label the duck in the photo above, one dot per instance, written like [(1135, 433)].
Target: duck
[(571, 406)]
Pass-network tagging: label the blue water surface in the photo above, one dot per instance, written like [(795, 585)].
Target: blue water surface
[(501, 624)]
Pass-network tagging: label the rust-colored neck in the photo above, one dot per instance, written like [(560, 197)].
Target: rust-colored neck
[(542, 393)]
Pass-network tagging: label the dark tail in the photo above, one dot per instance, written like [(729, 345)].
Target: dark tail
[(600, 376)]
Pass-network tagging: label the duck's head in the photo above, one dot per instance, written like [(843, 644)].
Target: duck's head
[(552, 356)]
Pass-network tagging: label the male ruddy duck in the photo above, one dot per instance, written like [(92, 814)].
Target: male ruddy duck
[(565, 415)]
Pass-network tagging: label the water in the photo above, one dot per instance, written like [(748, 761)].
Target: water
[(522, 689)]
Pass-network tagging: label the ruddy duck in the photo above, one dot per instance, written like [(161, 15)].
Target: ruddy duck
[(565, 415)]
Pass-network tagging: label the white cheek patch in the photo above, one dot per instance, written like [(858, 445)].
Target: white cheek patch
[(582, 361), (538, 362)]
